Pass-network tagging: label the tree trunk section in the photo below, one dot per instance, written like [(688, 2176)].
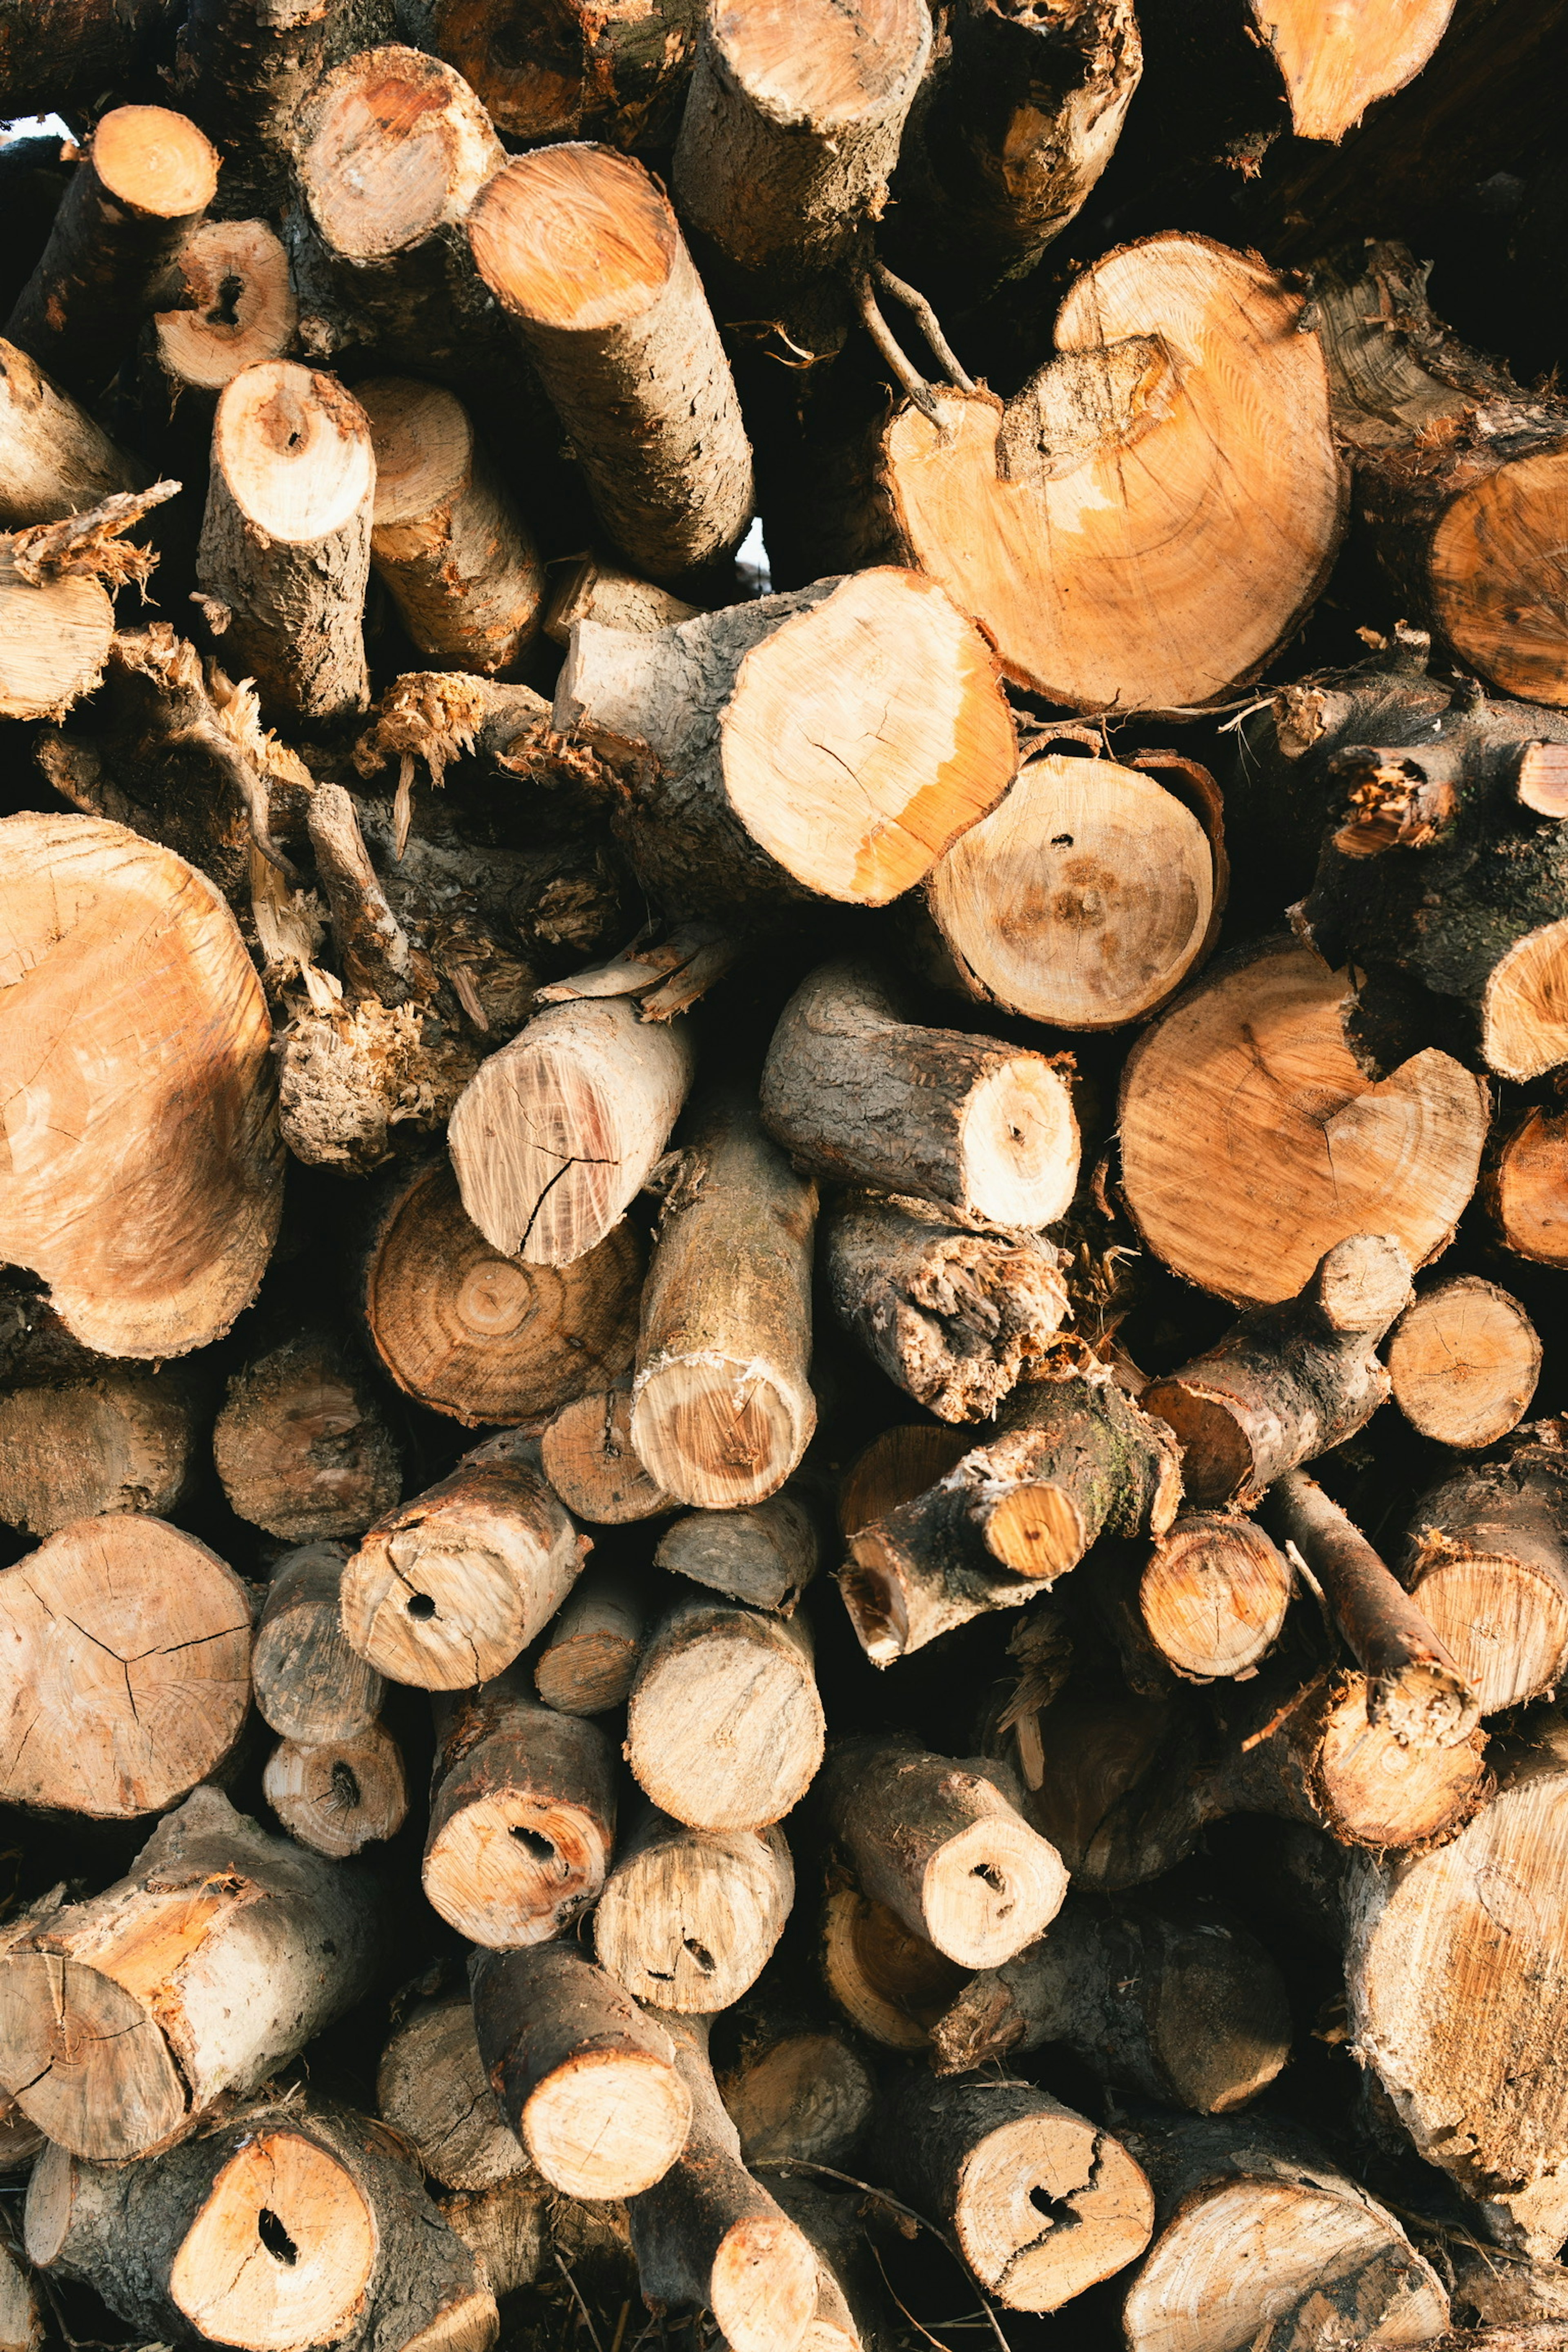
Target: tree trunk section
[(232, 276), (590, 1461), (1212, 1596), (688, 1918), (724, 1730), (797, 2094), (54, 459), (765, 1556), (1463, 1362), (119, 1438), (588, 1661), (1527, 1184), (894, 1987), (1487, 1560), (300, 1445), (310, 1686), (338, 1796), (245, 68), (431, 2086)]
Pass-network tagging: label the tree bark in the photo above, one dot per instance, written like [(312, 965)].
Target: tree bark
[(893, 1986), (724, 1730), (588, 1660), (591, 588), (54, 459), (1212, 1595), (1463, 1362), (309, 1684), (431, 2086), (300, 1445), (765, 1556), (688, 1918), (797, 2092), (338, 1796), (590, 1462), (65, 53), (617, 72), (121, 1437), (1487, 1560), (245, 68)]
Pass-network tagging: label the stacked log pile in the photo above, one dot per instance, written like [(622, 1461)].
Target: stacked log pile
[(783, 998)]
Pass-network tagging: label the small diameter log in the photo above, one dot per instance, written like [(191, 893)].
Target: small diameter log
[(53, 460), (487, 1337), (460, 561), (123, 2018), (22, 2325), (1287, 1382), (1463, 1362), (237, 309), (590, 589), (797, 2092), (688, 1918), (338, 1796), (1174, 2001), (508, 2229), (1213, 1594), (301, 1444), (894, 1468), (447, 1588), (582, 247), (586, 2081), (522, 1816), (431, 2086), (1259, 2234), (991, 2161), (285, 544), (124, 1438), (588, 1660), (1487, 1562), (833, 741), (145, 181), (244, 69), (721, 1403), (891, 1985), (1527, 1186), (1318, 1755), (854, 1092), (724, 1730), (309, 1685), (765, 1556), (55, 638), (557, 1133), (124, 1669), (590, 1461)]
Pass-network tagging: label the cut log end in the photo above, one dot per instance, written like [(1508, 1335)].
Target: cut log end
[(719, 1433), (1335, 67), (574, 237), (1019, 1144), (242, 309), (680, 1741), (340, 1795), (563, 2123), (1047, 2206), (1464, 1361), (399, 146), (990, 1890), (155, 162), (99, 2078), (892, 1985), (1529, 1187), (1380, 1790), (295, 451), (763, 2282), (282, 2250), (513, 1869), (1214, 1595), (1485, 570), (590, 1461)]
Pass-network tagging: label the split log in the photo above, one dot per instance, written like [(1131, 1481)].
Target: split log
[(833, 741), (954, 1314), (893, 1986), (1212, 1596), (558, 1132), (588, 2083), (617, 72), (1251, 1070), (483, 1337), (854, 1092), (625, 348), (447, 1590), (125, 2017), (431, 2086), (285, 545), (723, 1409), (1335, 67), (1322, 2259), (588, 1661), (338, 1796), (1527, 1185), (122, 1438), (294, 2223), (310, 1686), (126, 1668), (522, 1816), (590, 589), (797, 2092), (590, 1461), (1463, 1362), (245, 68), (765, 1556), (146, 179), (300, 1445), (688, 1918), (724, 1730), (988, 2160), (233, 308), (1487, 1562), (54, 459), (894, 1468)]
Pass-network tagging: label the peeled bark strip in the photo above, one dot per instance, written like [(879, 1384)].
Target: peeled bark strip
[(121, 1439), (558, 1132), (690, 1918), (583, 248), (238, 307), (124, 1669), (833, 741), (1463, 1360), (431, 2086), (854, 1092), (123, 2018), (765, 1556), (1213, 1594), (309, 1684), (522, 1816), (1487, 1562), (588, 1661), (892, 1985), (1251, 1070), (285, 545), (447, 1590), (1043, 2204), (1528, 1187), (797, 2092), (724, 1730), (721, 1403), (590, 1461), (1259, 2234), (338, 1796), (245, 68), (54, 459), (300, 1445), (483, 1337), (587, 2081)]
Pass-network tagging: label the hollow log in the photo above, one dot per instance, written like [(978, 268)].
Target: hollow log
[(338, 1796), (310, 1686), (893, 1986), (245, 68), (590, 1461), (765, 1556), (588, 1660), (236, 308), (121, 1438), (431, 2087), (56, 460), (301, 1445), (688, 1918), (724, 1730), (1486, 1559)]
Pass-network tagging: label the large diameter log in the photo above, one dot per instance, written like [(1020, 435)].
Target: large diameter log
[(124, 1438), (238, 309), (765, 1556), (338, 1796), (587, 2081), (582, 247), (124, 1669), (245, 68), (587, 1661), (854, 1092), (447, 1588), (835, 741), (301, 1445), (431, 2086), (56, 460), (590, 1460), (688, 1918), (721, 1403), (724, 1730), (893, 1986), (1463, 1362), (1335, 67), (309, 1685), (1487, 1562), (123, 2018)]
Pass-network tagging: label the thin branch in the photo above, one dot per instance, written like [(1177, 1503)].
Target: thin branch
[(927, 321), (587, 2314), (882, 335)]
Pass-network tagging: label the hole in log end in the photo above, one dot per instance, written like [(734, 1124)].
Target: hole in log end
[(420, 1606), (276, 2238), (533, 1842)]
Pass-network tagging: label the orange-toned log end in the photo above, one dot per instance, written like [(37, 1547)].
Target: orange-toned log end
[(1337, 61), (1376, 1790), (763, 2282), (1464, 1360), (574, 237), (233, 2290), (1214, 1595), (1493, 554), (155, 162), (1527, 1188)]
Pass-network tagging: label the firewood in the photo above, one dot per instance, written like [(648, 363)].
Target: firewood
[(1211, 1595), (988, 2159), (1335, 67), (588, 1660), (588, 588), (629, 354), (20, 2141), (854, 2311), (245, 72), (724, 1728), (688, 1918), (1166, 1998), (146, 179), (338, 1796), (310, 1686), (295, 2221), (765, 1556), (1525, 1186), (1254, 1062), (56, 460), (232, 307), (111, 2038), (1321, 2255), (507, 2229), (522, 1816), (126, 1674), (587, 2081), (1490, 2287), (301, 1445), (896, 1467), (590, 1461), (285, 546), (723, 1409), (431, 2086), (447, 1590), (854, 1091), (798, 2090), (1487, 1562), (124, 1437), (54, 635), (21, 2311), (1463, 1362), (892, 1985)]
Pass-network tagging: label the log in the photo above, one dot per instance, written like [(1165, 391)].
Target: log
[(245, 68), (628, 354), (522, 1816), (301, 1444), (56, 459), (310, 1686), (432, 2088), (688, 1918), (724, 1727), (590, 588), (854, 2310), (1463, 1362), (1212, 1595), (338, 1796), (447, 1590), (56, 634), (232, 307), (590, 1461), (723, 1409), (1115, 1782), (854, 1092), (481, 1336), (125, 1675), (891, 1985), (588, 1659), (22, 2325), (285, 544), (894, 1468), (1486, 1559), (506, 2229), (798, 2092), (1334, 66), (765, 1556), (909, 741), (617, 72), (1525, 1186), (1254, 1062), (125, 2017), (588, 2083), (123, 1438), (146, 179)]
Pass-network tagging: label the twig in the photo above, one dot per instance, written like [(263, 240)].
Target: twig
[(587, 2314), (882, 335), (929, 324)]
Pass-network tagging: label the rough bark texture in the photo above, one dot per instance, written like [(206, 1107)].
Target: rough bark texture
[(617, 72), (765, 1556), (309, 1684), (1486, 1559), (588, 1659), (301, 1444), (56, 460), (244, 69), (432, 2087), (797, 2092), (64, 53), (688, 1918), (119, 1438), (724, 1730)]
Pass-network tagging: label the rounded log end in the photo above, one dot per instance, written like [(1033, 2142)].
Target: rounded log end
[(56, 640), (424, 446), (338, 1796), (282, 2251), (1463, 1361), (1485, 573), (807, 2099), (608, 2122), (894, 1986), (242, 311), (1018, 1147), (1503, 1619), (1048, 2205), (294, 449), (1376, 1790), (471, 2324), (91, 2067), (811, 65), (719, 1433), (990, 1891), (399, 146), (1529, 1187), (763, 2283), (681, 1737), (574, 237), (591, 1463), (1362, 1283), (1214, 1595), (874, 1596), (1216, 1454), (439, 1620), (1036, 1530), (154, 161), (511, 1869)]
